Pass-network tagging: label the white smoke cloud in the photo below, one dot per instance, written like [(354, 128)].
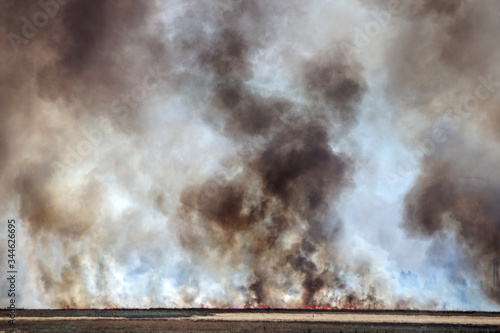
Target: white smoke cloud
[(104, 152)]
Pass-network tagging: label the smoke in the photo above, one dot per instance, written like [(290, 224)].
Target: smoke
[(456, 190), (247, 153)]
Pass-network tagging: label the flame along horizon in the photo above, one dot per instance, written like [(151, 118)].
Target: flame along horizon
[(253, 153), (259, 307)]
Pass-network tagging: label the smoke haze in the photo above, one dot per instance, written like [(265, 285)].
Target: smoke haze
[(252, 153)]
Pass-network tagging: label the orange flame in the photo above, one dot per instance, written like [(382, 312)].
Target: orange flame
[(247, 306)]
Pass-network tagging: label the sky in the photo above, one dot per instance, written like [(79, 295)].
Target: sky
[(245, 153)]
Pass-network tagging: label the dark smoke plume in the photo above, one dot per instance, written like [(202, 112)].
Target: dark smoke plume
[(457, 188), (288, 182)]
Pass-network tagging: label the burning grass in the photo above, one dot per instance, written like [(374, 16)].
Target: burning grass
[(210, 311)]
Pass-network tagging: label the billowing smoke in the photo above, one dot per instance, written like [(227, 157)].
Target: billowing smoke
[(252, 153), (457, 188)]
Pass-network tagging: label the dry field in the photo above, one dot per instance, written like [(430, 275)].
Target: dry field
[(203, 320)]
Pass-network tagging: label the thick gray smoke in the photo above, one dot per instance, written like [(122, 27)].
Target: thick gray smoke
[(252, 153)]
